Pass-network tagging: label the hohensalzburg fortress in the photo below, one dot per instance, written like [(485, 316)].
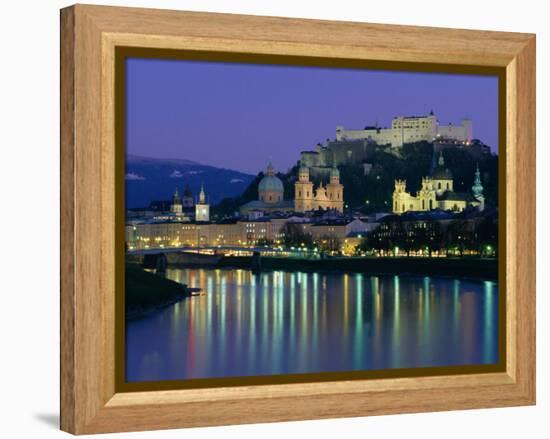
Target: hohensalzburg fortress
[(408, 130), (356, 145)]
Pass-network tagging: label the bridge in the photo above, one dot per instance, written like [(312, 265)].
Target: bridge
[(215, 249), (159, 258)]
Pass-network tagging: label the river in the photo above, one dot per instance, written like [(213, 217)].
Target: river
[(290, 322)]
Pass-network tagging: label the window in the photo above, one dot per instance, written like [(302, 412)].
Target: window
[(439, 185)]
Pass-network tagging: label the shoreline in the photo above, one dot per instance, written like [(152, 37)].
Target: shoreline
[(464, 268), (141, 313), (139, 284)]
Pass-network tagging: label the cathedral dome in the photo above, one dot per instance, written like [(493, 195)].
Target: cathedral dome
[(270, 183)]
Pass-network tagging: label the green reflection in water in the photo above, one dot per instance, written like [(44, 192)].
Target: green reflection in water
[(489, 321), (279, 322)]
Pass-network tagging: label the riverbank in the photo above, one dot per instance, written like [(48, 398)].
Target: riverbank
[(475, 268), (147, 292)]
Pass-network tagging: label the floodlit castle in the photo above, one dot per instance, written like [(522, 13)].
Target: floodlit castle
[(437, 192), (355, 146), (326, 197), (407, 130)]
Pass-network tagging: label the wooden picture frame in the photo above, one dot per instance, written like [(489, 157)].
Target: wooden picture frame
[(90, 35)]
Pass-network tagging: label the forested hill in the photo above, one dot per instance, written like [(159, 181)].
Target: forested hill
[(373, 192)]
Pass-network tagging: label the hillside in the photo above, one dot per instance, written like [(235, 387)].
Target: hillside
[(373, 192), (149, 179)]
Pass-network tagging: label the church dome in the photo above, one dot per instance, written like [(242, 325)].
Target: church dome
[(441, 173), (334, 172), (270, 183)]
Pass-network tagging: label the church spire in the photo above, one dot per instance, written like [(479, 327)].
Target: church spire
[(477, 188), (176, 198), (441, 160), (202, 196)]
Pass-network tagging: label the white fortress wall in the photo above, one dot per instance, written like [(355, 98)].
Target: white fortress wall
[(408, 130)]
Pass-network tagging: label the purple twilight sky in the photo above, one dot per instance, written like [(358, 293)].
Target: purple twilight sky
[(239, 116)]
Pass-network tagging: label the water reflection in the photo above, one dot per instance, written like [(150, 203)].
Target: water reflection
[(280, 323)]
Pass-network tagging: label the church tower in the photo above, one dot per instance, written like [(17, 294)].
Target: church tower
[(442, 177), (187, 199), (303, 191), (477, 189), (176, 206), (335, 190), (202, 208), (426, 195), (400, 197)]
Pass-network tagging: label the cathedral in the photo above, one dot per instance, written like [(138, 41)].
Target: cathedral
[(271, 194), (326, 197), (437, 192)]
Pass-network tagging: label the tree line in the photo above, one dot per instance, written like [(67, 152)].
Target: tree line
[(455, 237)]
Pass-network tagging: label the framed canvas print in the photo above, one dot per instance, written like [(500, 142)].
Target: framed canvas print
[(269, 219)]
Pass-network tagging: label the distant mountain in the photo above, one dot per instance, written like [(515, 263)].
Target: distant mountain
[(151, 179)]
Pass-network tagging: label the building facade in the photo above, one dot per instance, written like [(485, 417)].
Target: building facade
[(436, 192), (307, 198)]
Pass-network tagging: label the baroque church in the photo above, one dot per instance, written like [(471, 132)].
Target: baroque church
[(437, 192), (306, 197), (326, 197)]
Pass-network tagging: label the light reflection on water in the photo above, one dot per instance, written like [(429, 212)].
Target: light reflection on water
[(280, 322)]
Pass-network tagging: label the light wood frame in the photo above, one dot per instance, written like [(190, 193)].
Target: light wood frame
[(89, 35)]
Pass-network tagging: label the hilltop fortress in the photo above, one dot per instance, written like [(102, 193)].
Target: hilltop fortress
[(353, 146), (407, 130)]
